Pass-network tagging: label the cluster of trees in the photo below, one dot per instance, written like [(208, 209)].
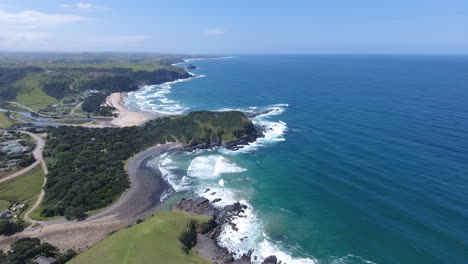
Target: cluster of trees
[(26, 250), (58, 86), (86, 165), (8, 228), (106, 84), (93, 104), (158, 76), (25, 159), (9, 75), (110, 84), (8, 93)]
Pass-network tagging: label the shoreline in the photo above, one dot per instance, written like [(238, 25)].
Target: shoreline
[(127, 117), (141, 200)]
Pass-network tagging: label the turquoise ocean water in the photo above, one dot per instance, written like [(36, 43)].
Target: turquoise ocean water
[(365, 158)]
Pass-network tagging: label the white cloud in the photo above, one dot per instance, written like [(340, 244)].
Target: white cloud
[(214, 32), (28, 28), (33, 19), (82, 6)]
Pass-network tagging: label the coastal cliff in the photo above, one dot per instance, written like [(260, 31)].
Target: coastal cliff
[(159, 76)]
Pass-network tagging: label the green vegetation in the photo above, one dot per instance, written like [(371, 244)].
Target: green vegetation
[(57, 85), (23, 187), (86, 166), (8, 228), (6, 121), (30, 92), (24, 159), (4, 205), (156, 240), (22, 117), (110, 84), (10, 75), (60, 78), (36, 214), (93, 104), (26, 250)]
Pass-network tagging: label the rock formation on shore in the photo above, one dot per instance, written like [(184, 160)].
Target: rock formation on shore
[(205, 243)]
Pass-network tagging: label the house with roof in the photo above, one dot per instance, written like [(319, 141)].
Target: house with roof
[(44, 260)]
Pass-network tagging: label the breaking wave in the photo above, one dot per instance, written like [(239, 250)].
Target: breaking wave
[(155, 98)]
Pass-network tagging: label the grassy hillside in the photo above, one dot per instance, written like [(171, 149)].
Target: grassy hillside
[(23, 187), (86, 169), (6, 121), (55, 78), (153, 241), (30, 92)]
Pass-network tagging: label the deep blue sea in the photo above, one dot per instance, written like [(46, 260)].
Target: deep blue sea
[(365, 158)]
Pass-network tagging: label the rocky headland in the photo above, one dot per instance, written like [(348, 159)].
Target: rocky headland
[(205, 240)]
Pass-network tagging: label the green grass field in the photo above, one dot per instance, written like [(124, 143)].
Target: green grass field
[(4, 205), (6, 122), (30, 92), (23, 187), (153, 241)]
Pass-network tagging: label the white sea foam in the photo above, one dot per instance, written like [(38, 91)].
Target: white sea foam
[(273, 131), (211, 166), (249, 233), (350, 259), (155, 98), (166, 166)]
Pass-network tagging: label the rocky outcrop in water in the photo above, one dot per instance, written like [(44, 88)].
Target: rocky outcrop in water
[(206, 244), (190, 67), (255, 114)]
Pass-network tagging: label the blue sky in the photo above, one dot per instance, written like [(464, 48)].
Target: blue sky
[(230, 27)]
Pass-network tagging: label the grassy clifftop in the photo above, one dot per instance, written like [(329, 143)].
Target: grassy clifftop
[(86, 169), (205, 129), (154, 241)]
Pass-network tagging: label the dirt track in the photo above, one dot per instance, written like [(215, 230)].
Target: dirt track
[(138, 201)]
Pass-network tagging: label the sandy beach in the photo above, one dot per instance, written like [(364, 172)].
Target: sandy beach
[(127, 117)]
